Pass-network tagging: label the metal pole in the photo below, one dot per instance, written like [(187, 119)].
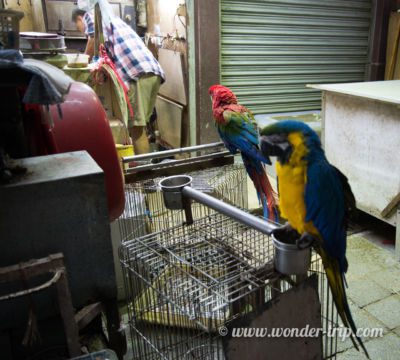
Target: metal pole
[(163, 165), (167, 153), (252, 221)]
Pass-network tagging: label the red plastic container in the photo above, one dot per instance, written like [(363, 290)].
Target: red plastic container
[(84, 126)]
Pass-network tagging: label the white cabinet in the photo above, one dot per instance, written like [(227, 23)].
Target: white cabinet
[(361, 136)]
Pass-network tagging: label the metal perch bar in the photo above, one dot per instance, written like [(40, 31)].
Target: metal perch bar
[(168, 153), (177, 190), (241, 216)]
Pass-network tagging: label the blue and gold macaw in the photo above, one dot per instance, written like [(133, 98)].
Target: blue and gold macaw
[(315, 198)]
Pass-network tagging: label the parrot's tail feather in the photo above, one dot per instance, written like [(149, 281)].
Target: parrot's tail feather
[(265, 193), (345, 282), (336, 284)]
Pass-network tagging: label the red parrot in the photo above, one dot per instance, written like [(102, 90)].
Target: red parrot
[(238, 130)]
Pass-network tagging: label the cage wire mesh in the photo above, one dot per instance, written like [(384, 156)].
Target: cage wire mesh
[(145, 212), (184, 283)]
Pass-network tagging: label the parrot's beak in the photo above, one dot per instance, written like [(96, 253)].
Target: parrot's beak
[(275, 145)]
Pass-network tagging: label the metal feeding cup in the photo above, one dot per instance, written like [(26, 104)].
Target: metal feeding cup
[(172, 189), (289, 259)]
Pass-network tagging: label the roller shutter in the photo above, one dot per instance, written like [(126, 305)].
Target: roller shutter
[(271, 49)]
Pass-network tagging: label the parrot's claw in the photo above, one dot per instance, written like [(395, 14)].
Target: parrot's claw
[(306, 240)]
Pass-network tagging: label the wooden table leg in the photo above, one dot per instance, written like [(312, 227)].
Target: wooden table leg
[(68, 316)]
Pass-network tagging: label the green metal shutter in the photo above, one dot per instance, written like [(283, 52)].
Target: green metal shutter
[(271, 49)]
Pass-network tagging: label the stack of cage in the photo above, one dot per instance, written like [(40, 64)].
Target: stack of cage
[(184, 283), (145, 212)]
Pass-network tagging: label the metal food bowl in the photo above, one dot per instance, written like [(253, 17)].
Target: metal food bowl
[(289, 259), (172, 191)]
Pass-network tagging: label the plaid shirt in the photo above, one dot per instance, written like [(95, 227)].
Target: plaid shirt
[(130, 55), (88, 21)]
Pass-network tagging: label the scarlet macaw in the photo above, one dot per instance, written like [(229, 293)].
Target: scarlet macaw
[(315, 198), (237, 129)]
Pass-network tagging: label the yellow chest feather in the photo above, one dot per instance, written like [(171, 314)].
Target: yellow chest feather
[(292, 179)]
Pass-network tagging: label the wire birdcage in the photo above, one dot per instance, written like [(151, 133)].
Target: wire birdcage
[(184, 283), (145, 212)]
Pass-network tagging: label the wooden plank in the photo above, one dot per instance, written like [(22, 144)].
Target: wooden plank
[(169, 121), (86, 315), (174, 87), (391, 207), (67, 315), (392, 70), (32, 268)]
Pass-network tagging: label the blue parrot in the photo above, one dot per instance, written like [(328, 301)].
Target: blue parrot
[(315, 198)]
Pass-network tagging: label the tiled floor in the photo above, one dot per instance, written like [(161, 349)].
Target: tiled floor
[(374, 294)]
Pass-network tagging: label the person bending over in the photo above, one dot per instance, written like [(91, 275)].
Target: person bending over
[(136, 66)]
